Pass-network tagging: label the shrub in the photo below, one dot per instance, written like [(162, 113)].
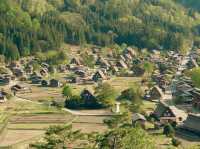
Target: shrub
[(168, 130), (176, 142)]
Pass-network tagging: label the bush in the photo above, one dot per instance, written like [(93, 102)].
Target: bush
[(74, 102), (168, 130), (176, 142), (67, 91), (57, 104)]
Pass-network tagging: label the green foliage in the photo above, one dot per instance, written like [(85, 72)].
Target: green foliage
[(125, 138), (105, 94), (118, 121), (30, 26), (168, 130), (58, 137), (149, 67), (133, 95), (195, 75), (74, 102), (67, 91), (53, 57), (88, 60), (176, 142)]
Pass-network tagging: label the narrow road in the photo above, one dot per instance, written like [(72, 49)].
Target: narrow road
[(92, 112)]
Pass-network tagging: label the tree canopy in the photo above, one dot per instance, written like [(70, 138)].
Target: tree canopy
[(29, 26)]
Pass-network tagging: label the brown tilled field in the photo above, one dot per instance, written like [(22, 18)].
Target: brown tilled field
[(41, 118), (88, 124)]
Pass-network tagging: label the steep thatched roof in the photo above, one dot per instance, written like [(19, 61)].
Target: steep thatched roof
[(192, 123), (138, 116)]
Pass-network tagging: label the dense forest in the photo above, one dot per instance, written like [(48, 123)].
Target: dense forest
[(31, 26)]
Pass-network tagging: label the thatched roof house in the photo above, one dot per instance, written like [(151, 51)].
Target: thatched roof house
[(99, 76), (75, 61), (192, 123), (3, 97), (156, 93), (122, 64), (166, 113), (88, 98), (54, 83), (21, 88), (138, 118), (44, 72)]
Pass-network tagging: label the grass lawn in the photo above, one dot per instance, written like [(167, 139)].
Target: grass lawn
[(27, 120), (148, 106)]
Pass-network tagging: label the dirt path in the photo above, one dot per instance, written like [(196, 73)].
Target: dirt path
[(89, 112)]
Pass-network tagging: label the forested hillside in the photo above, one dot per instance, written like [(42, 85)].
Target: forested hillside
[(194, 4), (30, 26)]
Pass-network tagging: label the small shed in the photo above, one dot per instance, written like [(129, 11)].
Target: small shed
[(21, 88), (3, 97), (44, 83), (138, 119), (54, 83)]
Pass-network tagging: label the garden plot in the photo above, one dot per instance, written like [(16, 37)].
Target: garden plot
[(88, 124), (40, 118), (11, 137), (42, 94), (122, 83)]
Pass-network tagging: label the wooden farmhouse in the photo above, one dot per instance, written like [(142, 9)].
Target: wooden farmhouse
[(75, 61), (54, 83), (99, 76), (196, 98), (14, 64), (45, 65), (5, 79), (29, 69), (121, 64), (138, 119), (44, 83), (103, 63), (130, 51), (3, 97), (18, 72), (20, 88), (192, 64), (114, 70), (62, 68), (89, 98), (156, 93), (36, 79), (44, 72), (122, 58), (169, 114), (81, 73)]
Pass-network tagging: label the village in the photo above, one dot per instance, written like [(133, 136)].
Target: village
[(168, 94)]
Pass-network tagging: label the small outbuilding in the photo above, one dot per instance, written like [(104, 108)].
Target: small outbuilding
[(138, 119), (54, 83)]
